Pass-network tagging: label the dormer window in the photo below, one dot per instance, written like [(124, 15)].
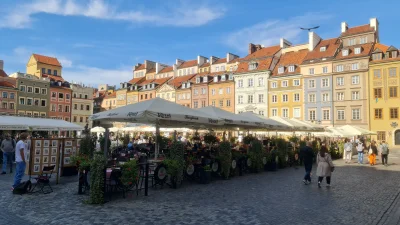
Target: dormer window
[(188, 85), (363, 40), (253, 66), (291, 69), (230, 77), (345, 52), (183, 85), (281, 69), (217, 69), (216, 79), (145, 86), (223, 78), (197, 80), (322, 49), (394, 54), (357, 50), (377, 56), (205, 79)]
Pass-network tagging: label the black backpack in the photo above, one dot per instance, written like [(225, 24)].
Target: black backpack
[(23, 188)]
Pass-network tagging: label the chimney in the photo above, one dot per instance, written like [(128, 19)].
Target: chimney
[(137, 65), (344, 27), (201, 60), (213, 59), (283, 43), (252, 48), (179, 62), (159, 67), (258, 47), (1, 65), (373, 22), (313, 40)]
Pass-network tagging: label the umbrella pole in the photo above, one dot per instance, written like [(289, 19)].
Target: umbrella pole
[(106, 134), (157, 150)]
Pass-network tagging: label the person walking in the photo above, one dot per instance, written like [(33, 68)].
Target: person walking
[(348, 150), (372, 151), (384, 153), (325, 166), (8, 148), (360, 150), (20, 152), (307, 156)]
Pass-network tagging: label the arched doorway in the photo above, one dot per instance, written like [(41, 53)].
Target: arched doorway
[(397, 137)]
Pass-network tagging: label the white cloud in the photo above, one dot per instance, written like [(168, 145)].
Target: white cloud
[(184, 15), (269, 32)]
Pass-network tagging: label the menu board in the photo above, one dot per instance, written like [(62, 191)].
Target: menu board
[(44, 152), (70, 148)]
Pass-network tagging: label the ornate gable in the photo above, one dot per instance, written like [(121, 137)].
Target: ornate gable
[(165, 88)]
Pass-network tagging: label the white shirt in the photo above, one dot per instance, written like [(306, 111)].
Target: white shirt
[(20, 146)]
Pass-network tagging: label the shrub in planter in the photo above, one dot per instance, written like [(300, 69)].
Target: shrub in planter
[(281, 145), (266, 160), (256, 156), (205, 175), (232, 140), (175, 163), (225, 156), (97, 174), (210, 138), (130, 173), (248, 139), (126, 140)]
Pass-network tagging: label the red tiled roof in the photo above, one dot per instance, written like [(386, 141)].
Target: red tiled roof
[(112, 95), (153, 70), (6, 84), (220, 61), (177, 82), (365, 51), (331, 46), (358, 30), (380, 46), (167, 69), (235, 60), (136, 80), (290, 58), (161, 81), (264, 52), (47, 60), (141, 67), (149, 81), (205, 65), (263, 64), (54, 78), (187, 64), (3, 74)]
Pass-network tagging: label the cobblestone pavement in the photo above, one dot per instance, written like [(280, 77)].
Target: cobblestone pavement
[(360, 194)]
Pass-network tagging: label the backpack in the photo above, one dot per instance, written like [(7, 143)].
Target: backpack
[(23, 188), (385, 149)]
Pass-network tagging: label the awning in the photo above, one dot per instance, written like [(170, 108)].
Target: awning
[(36, 124)]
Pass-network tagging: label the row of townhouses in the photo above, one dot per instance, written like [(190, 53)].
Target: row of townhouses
[(42, 92), (349, 79)]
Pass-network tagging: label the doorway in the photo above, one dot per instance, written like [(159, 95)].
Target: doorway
[(397, 137)]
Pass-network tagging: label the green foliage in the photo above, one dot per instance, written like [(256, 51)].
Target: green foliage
[(172, 166), (303, 144), (97, 167), (248, 139), (196, 136), (175, 161), (210, 138), (129, 173), (102, 141), (88, 145), (126, 140), (294, 139), (232, 140), (81, 161), (225, 156), (207, 168), (256, 155), (163, 141), (281, 145)]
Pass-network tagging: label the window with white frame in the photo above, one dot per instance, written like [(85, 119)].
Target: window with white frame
[(339, 68), (196, 92), (291, 69), (356, 114), (345, 52), (212, 92), (250, 99), (363, 40), (203, 91), (274, 112), (296, 112), (296, 82), (274, 98), (354, 66), (216, 68), (205, 79), (355, 79), (311, 84), (355, 95), (322, 49), (196, 104), (326, 114), (281, 69), (221, 91), (274, 85), (222, 68), (311, 71), (284, 83), (223, 78), (261, 82), (296, 97), (215, 79), (228, 90), (285, 98), (340, 96), (340, 81), (285, 113), (261, 98), (250, 82), (325, 97), (312, 115), (325, 82), (357, 50), (240, 83), (261, 113), (352, 41), (325, 69), (240, 99), (340, 114), (221, 103), (253, 66), (311, 98), (393, 72)]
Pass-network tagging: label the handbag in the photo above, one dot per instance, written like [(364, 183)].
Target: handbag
[(370, 151)]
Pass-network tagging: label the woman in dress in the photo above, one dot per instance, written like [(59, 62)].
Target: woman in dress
[(325, 166), (373, 151)]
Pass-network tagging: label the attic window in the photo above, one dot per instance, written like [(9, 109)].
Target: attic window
[(281, 69), (377, 56), (291, 69), (183, 86), (345, 52), (216, 79), (357, 50), (322, 49), (323, 59), (197, 80), (205, 80), (223, 78), (394, 54), (253, 66)]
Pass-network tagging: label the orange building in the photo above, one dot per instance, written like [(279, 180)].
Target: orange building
[(8, 92), (221, 91), (149, 88), (200, 90), (60, 99)]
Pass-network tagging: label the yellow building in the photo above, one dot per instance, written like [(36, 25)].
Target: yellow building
[(384, 96), (40, 65)]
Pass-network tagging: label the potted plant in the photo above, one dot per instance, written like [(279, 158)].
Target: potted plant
[(205, 174), (175, 163), (256, 156), (225, 157), (210, 139)]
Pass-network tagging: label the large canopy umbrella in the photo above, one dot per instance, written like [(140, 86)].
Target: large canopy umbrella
[(354, 130), (97, 130), (36, 124), (158, 112), (114, 129), (267, 123), (295, 126), (309, 125)]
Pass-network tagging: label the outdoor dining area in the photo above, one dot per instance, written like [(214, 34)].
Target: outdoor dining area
[(197, 145)]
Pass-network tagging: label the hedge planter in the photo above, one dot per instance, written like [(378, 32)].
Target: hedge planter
[(205, 176)]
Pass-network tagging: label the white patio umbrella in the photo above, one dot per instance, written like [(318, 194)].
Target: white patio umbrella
[(97, 130), (114, 129), (267, 123), (36, 124), (309, 125), (354, 130)]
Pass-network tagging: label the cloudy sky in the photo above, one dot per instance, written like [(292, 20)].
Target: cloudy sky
[(99, 41)]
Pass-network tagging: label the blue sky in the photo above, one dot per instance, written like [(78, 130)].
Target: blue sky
[(99, 41)]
